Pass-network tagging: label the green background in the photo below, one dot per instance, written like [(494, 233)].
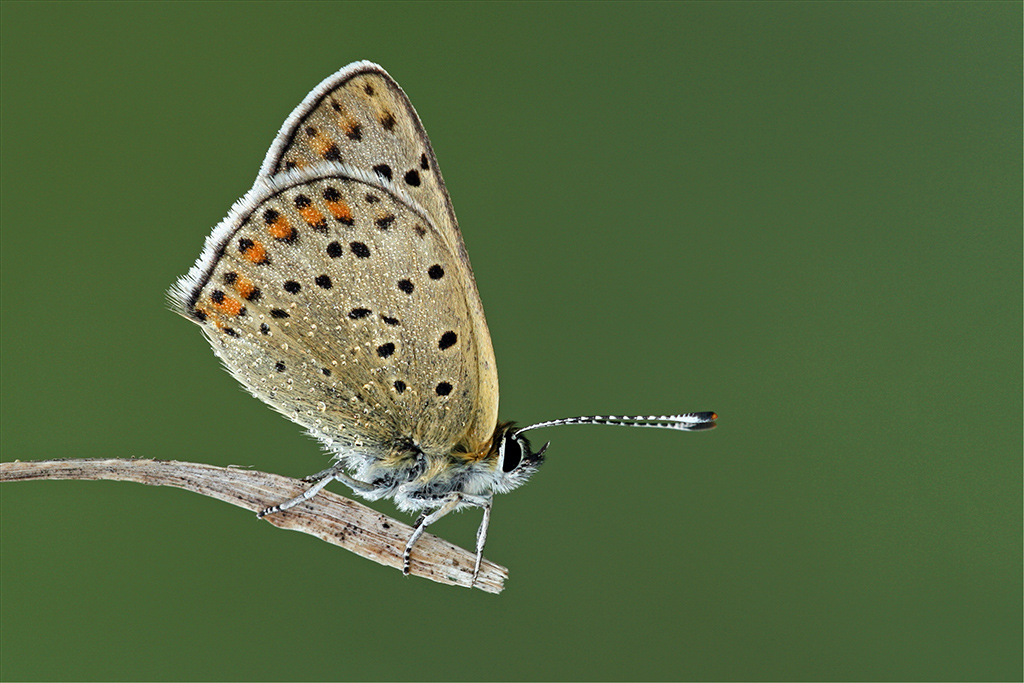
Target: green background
[(806, 217)]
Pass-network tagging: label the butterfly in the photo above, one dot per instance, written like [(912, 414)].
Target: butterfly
[(338, 290)]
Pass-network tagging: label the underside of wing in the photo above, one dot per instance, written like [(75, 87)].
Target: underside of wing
[(361, 118), (332, 297)]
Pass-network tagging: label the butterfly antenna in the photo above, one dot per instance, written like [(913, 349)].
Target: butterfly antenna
[(689, 422)]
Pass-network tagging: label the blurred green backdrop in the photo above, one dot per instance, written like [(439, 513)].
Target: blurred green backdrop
[(806, 217)]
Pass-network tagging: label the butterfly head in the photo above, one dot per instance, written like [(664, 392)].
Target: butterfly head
[(516, 461)]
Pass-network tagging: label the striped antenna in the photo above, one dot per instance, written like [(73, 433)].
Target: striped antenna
[(689, 422)]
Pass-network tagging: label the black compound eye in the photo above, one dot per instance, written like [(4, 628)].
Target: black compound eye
[(513, 455)]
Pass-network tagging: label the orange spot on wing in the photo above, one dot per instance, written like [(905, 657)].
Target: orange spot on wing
[(340, 210), (311, 215), (244, 287), (281, 229), (256, 253), (228, 306), (320, 144), (348, 124)]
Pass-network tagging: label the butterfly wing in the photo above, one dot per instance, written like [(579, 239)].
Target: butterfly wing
[(334, 298), (360, 117)]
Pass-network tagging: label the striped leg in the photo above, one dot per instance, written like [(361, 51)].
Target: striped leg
[(321, 480), (451, 502)]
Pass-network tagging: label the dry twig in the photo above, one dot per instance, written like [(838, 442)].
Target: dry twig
[(327, 516)]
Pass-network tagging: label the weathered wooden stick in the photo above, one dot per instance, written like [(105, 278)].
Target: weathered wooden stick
[(327, 516)]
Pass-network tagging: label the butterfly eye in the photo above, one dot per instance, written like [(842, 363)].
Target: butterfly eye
[(511, 454)]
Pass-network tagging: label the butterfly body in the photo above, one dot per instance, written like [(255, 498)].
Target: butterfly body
[(338, 290)]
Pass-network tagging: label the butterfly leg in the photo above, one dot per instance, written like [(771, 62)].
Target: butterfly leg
[(423, 521), (451, 502), (481, 534), (313, 478), (321, 480)]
